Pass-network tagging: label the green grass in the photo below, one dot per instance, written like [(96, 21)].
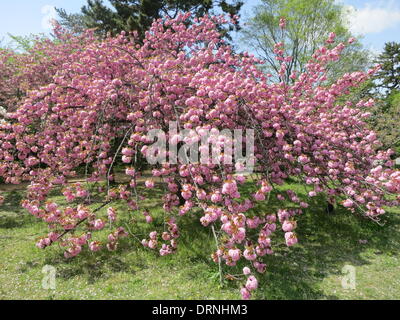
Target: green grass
[(309, 270)]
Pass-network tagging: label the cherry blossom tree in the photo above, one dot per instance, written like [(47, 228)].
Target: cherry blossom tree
[(103, 98), (37, 64)]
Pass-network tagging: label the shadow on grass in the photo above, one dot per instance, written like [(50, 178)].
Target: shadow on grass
[(326, 243), (96, 266), (12, 214)]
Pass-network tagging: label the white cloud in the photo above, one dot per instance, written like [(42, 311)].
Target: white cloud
[(50, 14), (373, 17)]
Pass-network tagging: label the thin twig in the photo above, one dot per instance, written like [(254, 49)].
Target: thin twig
[(219, 258)]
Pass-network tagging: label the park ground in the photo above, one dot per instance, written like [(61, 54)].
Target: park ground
[(313, 269)]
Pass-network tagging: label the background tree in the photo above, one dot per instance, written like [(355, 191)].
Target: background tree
[(138, 15), (32, 61), (308, 24), (388, 76), (74, 22), (384, 88), (386, 123)]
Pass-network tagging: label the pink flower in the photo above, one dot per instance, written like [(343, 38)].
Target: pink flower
[(304, 204), (152, 244), (246, 295), (265, 186), (112, 246), (130, 171), (261, 267), (199, 180), (172, 187), (348, 203), (282, 23), (280, 197), (126, 159), (259, 196), (186, 195), (290, 238), (98, 224), (253, 223), (174, 243), (262, 251), (271, 218), (331, 37), (303, 159), (229, 187), (269, 228), (216, 197), (166, 236), (43, 243), (201, 194), (249, 254), (246, 271), (149, 184), (264, 241), (251, 283), (153, 235), (120, 232), (82, 213), (112, 238), (234, 254), (53, 236), (240, 235), (73, 251), (94, 246), (288, 226), (112, 214)]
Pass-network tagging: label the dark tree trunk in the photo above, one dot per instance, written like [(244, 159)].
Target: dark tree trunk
[(330, 208)]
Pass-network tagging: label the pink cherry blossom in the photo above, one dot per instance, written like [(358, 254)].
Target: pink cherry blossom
[(246, 271), (251, 283), (245, 293)]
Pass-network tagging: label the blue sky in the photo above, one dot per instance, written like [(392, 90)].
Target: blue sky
[(377, 20)]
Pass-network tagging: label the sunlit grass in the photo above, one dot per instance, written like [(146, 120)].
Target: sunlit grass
[(310, 270)]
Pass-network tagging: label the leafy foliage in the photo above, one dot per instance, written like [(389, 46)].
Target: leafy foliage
[(308, 24), (389, 75), (138, 15)]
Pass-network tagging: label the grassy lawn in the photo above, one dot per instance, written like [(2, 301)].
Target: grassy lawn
[(310, 270)]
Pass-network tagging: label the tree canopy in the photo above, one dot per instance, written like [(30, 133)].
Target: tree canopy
[(308, 24), (388, 76), (138, 15)]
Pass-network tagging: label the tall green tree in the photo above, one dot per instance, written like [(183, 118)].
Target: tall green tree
[(388, 77), (308, 24), (138, 15), (385, 121), (386, 85)]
